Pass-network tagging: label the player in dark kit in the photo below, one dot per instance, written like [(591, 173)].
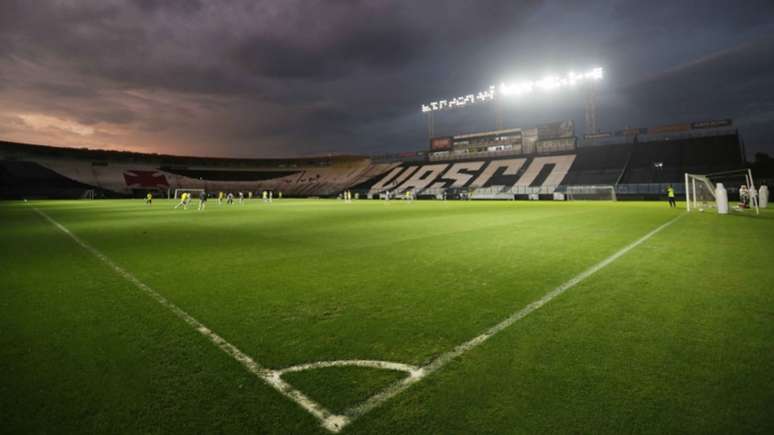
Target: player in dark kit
[(202, 200)]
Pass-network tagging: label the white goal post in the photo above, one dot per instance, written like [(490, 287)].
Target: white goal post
[(700, 190), (88, 194), (192, 191)]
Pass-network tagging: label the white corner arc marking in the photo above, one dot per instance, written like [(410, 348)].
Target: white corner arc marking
[(373, 364)]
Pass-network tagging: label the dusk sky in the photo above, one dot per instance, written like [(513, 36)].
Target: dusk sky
[(255, 78)]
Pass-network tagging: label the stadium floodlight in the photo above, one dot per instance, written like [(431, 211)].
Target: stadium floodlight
[(516, 89), (460, 101), (549, 83), (595, 74)]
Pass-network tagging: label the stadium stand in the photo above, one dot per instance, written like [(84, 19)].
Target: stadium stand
[(43, 171), (26, 179), (695, 155), (639, 166), (599, 165)]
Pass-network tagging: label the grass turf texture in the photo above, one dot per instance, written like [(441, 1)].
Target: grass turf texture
[(676, 336)]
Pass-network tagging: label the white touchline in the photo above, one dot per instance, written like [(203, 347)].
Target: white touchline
[(334, 422), (438, 363), (329, 420)]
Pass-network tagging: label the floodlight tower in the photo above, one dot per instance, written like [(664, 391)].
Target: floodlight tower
[(498, 115), (591, 109)]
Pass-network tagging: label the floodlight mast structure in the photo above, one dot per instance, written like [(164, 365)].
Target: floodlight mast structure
[(591, 109), (546, 84)]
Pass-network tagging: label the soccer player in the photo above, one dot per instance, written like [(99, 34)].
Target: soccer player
[(671, 196), (149, 198), (744, 195), (230, 198), (220, 198), (271, 195), (202, 200), (182, 202), (250, 195), (241, 198), (280, 195)]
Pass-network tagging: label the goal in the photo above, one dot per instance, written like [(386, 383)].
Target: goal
[(738, 185), (193, 192), (88, 194), (603, 192)]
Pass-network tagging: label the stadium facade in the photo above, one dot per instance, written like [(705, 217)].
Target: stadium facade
[(539, 162)]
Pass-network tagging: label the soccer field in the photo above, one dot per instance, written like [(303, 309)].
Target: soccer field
[(424, 317)]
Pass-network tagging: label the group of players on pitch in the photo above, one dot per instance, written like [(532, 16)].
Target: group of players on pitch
[(227, 198)]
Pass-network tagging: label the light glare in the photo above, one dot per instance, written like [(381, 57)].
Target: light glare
[(546, 84)]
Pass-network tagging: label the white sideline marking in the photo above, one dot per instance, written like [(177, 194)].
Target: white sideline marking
[(332, 422), (391, 391)]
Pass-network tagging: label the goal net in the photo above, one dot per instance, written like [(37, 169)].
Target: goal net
[(603, 192), (194, 192), (700, 190)]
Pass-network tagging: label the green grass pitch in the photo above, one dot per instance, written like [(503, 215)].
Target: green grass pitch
[(675, 336)]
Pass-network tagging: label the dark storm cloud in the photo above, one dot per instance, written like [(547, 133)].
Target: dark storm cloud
[(732, 82), (686, 14), (178, 6), (57, 90), (280, 58), (713, 79), (310, 76)]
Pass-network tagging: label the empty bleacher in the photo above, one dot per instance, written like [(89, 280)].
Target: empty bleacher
[(599, 165), (668, 160), (639, 166), (23, 179)]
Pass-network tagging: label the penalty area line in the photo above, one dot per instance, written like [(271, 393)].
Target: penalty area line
[(330, 421), (438, 363)]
